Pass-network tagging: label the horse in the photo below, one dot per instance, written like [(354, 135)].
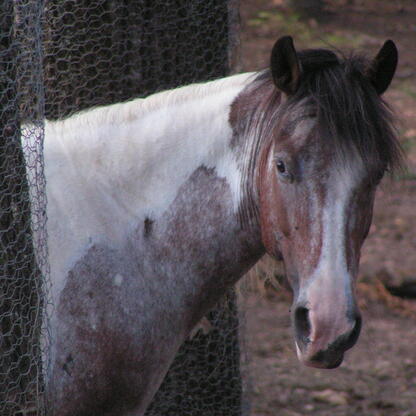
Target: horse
[(157, 206)]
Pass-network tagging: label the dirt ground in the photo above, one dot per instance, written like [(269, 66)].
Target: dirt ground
[(378, 376)]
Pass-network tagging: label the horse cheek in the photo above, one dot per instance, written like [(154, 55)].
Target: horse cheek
[(272, 215), (359, 222)]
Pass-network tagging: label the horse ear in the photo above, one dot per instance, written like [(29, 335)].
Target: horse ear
[(381, 70), (285, 67)]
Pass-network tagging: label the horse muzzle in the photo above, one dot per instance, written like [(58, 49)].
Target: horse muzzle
[(322, 339)]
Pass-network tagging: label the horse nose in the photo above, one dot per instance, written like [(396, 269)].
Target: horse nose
[(322, 342), (302, 325)]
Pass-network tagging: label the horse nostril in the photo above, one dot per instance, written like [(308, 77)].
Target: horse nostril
[(302, 324)]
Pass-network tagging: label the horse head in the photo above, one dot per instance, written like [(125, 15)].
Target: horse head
[(326, 146)]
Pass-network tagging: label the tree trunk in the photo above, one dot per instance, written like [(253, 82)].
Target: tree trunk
[(102, 52)]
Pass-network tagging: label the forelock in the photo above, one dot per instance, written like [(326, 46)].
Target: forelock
[(351, 117)]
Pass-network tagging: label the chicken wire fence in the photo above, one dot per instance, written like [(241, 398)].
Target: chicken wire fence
[(23, 256), (58, 57)]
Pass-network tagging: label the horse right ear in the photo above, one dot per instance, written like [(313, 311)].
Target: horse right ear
[(383, 67), (284, 65)]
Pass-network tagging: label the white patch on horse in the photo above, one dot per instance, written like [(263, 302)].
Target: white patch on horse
[(118, 279), (99, 188)]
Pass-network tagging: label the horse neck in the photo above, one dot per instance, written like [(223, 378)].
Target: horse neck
[(140, 153), (159, 178)]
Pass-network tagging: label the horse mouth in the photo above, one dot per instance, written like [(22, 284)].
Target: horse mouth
[(323, 359), (325, 364)]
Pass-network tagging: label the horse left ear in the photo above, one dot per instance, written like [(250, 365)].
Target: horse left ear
[(382, 69), (284, 65)]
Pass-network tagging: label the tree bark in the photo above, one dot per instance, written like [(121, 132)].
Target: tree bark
[(102, 52)]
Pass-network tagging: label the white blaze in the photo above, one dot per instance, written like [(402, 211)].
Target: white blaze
[(343, 182), (331, 277)]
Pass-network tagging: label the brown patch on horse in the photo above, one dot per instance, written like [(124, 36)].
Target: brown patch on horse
[(124, 312), (360, 213), (148, 224)]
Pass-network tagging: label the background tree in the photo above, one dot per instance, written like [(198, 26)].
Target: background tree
[(101, 52)]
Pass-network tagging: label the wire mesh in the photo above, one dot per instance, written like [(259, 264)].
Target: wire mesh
[(205, 377), (23, 251), (98, 52)]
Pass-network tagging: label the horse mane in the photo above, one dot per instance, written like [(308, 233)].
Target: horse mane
[(350, 114), (136, 108)]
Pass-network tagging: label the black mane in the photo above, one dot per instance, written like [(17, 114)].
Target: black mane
[(350, 114)]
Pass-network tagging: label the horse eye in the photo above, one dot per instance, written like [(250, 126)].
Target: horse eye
[(281, 166)]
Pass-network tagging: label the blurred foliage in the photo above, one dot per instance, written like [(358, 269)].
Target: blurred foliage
[(308, 32), (307, 8), (408, 87)]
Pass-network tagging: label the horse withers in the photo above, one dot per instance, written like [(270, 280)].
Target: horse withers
[(157, 206)]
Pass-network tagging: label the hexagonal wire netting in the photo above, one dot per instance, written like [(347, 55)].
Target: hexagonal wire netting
[(23, 262), (98, 52)]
